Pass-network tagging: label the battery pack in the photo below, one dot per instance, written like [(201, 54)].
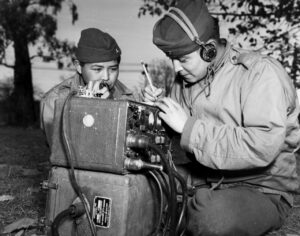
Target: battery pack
[(122, 205)]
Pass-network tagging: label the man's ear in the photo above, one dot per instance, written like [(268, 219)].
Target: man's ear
[(77, 66)]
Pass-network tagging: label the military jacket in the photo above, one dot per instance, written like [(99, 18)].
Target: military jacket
[(243, 123)]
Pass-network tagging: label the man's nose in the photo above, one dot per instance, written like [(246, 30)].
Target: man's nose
[(105, 75), (177, 66)]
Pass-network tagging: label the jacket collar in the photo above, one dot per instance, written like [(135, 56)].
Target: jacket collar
[(72, 83), (120, 90), (214, 67)]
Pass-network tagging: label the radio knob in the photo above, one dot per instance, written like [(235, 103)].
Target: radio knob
[(88, 120)]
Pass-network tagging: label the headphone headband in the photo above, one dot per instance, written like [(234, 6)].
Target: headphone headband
[(185, 23)]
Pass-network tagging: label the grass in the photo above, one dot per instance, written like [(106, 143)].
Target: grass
[(22, 150), (25, 149)]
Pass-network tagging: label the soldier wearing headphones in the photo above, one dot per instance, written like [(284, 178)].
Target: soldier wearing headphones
[(236, 113)]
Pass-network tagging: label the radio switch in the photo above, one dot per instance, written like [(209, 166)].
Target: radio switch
[(47, 185)]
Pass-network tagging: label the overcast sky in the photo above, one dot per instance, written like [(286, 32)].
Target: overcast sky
[(118, 18)]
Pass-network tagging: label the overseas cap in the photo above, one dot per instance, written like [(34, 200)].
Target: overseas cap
[(169, 36), (96, 46)]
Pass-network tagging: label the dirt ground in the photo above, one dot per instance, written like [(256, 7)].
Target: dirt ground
[(23, 153)]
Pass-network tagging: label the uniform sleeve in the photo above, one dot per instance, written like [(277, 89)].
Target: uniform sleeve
[(47, 116), (256, 143)]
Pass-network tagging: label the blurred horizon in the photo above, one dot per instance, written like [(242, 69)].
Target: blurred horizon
[(116, 17)]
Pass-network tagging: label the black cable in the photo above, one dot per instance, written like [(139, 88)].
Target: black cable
[(161, 206), (166, 190), (173, 200), (165, 184), (58, 220), (142, 141), (184, 202), (184, 197), (74, 211), (69, 152)]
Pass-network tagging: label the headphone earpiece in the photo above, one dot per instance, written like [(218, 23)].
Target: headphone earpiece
[(208, 52)]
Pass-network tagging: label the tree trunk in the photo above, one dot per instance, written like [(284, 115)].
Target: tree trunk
[(295, 65), (21, 99)]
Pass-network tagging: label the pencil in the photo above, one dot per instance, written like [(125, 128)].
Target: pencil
[(147, 76)]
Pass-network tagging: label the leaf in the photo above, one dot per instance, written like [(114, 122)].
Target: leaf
[(23, 223), (6, 198), (232, 31), (20, 233), (240, 4)]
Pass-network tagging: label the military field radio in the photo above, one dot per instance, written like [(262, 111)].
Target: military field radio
[(107, 142), (102, 132)]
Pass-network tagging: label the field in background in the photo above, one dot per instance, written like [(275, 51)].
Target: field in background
[(46, 75)]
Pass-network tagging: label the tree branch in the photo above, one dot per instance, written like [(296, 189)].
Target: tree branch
[(237, 14), (34, 56), (7, 65)]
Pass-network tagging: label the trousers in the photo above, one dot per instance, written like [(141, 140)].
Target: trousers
[(234, 211)]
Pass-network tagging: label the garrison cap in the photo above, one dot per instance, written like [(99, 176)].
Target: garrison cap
[(170, 37), (96, 46)]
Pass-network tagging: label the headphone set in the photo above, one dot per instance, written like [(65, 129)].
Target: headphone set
[(208, 51)]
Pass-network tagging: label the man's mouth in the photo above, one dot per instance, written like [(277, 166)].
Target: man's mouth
[(183, 74), (103, 84)]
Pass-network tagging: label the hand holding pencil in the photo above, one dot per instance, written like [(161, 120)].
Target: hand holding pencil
[(150, 92)]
